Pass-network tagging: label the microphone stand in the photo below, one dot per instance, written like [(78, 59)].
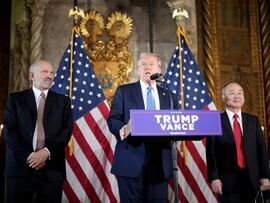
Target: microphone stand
[(174, 158), (174, 152)]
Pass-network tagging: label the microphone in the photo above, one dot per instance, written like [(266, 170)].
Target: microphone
[(156, 76)]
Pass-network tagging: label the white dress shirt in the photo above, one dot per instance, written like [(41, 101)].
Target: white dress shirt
[(37, 93), (239, 119), (154, 92)]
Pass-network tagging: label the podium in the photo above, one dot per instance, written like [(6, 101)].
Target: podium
[(175, 124)]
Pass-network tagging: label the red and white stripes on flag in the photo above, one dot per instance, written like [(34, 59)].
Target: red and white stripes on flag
[(88, 167), (186, 82), (89, 178), (192, 178)]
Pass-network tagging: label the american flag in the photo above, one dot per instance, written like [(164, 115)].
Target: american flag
[(88, 168), (192, 178)]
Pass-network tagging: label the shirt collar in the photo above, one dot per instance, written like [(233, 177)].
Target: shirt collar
[(230, 114), (145, 85), (37, 92)]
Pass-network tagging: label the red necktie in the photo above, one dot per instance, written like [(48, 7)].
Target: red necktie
[(40, 127), (239, 143)]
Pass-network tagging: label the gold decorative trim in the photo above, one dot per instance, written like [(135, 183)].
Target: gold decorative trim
[(215, 68), (91, 20), (112, 60), (208, 49), (265, 39), (119, 25), (256, 58)]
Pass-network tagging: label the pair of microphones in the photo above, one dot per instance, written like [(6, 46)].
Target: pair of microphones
[(157, 77)]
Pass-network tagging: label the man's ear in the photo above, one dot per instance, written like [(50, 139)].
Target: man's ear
[(31, 76), (139, 71), (223, 97)]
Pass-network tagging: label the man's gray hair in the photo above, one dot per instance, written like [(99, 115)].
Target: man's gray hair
[(32, 68)]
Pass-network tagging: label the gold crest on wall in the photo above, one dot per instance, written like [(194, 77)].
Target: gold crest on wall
[(111, 60)]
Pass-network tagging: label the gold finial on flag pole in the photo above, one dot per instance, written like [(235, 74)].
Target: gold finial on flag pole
[(75, 12), (179, 14)]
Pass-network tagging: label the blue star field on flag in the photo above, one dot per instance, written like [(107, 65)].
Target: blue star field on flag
[(86, 91), (196, 95)]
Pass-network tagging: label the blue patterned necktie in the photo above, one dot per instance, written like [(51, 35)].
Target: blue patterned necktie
[(150, 100)]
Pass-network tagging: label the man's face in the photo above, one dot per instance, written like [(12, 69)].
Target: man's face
[(146, 67), (42, 76), (233, 97)]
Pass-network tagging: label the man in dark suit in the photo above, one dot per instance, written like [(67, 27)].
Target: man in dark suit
[(142, 166), (36, 138), (237, 161)]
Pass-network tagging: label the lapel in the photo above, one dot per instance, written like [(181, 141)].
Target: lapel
[(162, 94), (137, 91), (227, 126), (162, 98), (30, 99), (245, 127), (50, 100)]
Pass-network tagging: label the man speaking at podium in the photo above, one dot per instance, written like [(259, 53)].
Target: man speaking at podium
[(143, 166)]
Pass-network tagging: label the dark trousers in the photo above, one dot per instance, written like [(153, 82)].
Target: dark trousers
[(135, 190), (149, 187), (35, 189), (237, 188)]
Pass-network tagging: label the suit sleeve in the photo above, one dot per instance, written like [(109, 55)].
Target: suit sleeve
[(58, 143), (212, 170), (14, 139), (116, 117), (261, 152)]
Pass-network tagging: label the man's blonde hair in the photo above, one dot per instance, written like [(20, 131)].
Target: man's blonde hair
[(148, 54)]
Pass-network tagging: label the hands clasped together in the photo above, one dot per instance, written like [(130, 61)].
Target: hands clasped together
[(37, 160)]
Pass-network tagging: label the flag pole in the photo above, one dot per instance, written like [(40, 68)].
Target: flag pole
[(178, 14), (179, 33), (75, 12), (181, 68)]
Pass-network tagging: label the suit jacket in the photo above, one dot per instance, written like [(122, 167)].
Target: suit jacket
[(221, 151), (19, 125), (130, 153)]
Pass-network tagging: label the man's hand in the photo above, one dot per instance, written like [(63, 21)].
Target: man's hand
[(217, 186), (265, 184), (122, 132), (36, 160)]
